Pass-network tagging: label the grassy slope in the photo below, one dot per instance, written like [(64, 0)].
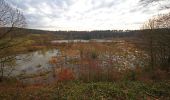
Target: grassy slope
[(127, 90)]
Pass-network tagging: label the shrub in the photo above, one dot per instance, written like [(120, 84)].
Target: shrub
[(66, 75)]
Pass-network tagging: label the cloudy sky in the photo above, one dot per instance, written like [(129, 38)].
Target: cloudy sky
[(88, 14)]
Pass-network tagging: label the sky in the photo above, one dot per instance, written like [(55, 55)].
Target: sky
[(87, 15)]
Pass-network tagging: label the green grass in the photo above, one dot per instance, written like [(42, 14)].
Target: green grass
[(127, 90)]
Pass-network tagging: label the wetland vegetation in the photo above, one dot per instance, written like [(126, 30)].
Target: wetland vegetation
[(83, 65)]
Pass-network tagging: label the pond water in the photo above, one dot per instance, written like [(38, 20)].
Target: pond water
[(82, 41), (35, 61)]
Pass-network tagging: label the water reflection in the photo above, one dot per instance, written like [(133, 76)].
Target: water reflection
[(32, 62), (82, 41)]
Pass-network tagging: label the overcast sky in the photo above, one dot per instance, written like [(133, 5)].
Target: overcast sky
[(88, 14)]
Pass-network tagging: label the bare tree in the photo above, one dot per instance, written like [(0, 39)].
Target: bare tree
[(11, 23), (158, 38), (150, 25), (163, 21)]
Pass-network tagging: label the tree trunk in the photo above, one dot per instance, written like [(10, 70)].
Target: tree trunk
[(2, 72)]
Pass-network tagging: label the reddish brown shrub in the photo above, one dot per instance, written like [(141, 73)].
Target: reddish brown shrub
[(66, 75), (116, 75), (53, 60)]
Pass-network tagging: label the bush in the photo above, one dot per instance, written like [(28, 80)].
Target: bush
[(65, 75)]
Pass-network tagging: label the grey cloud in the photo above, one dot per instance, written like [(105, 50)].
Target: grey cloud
[(144, 6), (48, 13), (148, 2), (163, 6), (37, 16), (144, 10), (104, 4)]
